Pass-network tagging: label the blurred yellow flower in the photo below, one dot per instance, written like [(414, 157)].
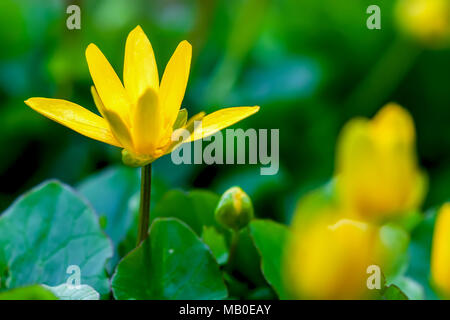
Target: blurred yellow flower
[(426, 20), (141, 115), (440, 253), (328, 255), (378, 177), (329, 260)]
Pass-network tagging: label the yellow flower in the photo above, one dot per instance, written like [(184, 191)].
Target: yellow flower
[(440, 253), (377, 172), (326, 259), (426, 20), (328, 255), (141, 115)]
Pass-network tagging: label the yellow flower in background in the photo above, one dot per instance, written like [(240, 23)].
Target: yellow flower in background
[(328, 255), (326, 259), (440, 253), (378, 177), (140, 115), (426, 20)]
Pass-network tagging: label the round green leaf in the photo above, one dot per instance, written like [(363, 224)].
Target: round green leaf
[(47, 230), (195, 208), (34, 292), (171, 264), (270, 238), (109, 193), (392, 292), (112, 193), (217, 243), (248, 259), (420, 252), (74, 292), (410, 288)]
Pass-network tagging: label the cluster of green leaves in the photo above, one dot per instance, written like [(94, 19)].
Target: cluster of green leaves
[(185, 256), (411, 277), (93, 226)]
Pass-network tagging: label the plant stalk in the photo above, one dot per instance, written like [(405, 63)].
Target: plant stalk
[(144, 207), (232, 252)]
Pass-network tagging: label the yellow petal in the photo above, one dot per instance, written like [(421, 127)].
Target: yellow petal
[(354, 144), (119, 129), (74, 117), (181, 119), (440, 253), (379, 177), (116, 124), (321, 250), (174, 81), (178, 133), (393, 125), (366, 183), (419, 190), (192, 121), (98, 102), (108, 85), (147, 123), (140, 71), (220, 119)]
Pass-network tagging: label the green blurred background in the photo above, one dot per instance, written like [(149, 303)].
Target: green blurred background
[(310, 64)]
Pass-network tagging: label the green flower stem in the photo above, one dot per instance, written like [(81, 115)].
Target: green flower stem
[(232, 252), (144, 207)]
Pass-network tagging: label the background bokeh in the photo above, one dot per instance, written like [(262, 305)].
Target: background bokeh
[(310, 64)]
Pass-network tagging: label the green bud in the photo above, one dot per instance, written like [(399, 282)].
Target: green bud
[(235, 209)]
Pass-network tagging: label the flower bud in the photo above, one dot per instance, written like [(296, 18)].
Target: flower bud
[(329, 260), (428, 21), (378, 177), (235, 209), (440, 253)]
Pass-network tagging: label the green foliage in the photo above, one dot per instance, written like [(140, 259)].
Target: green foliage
[(186, 255), (110, 193), (195, 208), (248, 259), (71, 292), (395, 241), (420, 253), (392, 292), (410, 288), (172, 263), (270, 239), (114, 194), (217, 243), (33, 292), (47, 230)]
